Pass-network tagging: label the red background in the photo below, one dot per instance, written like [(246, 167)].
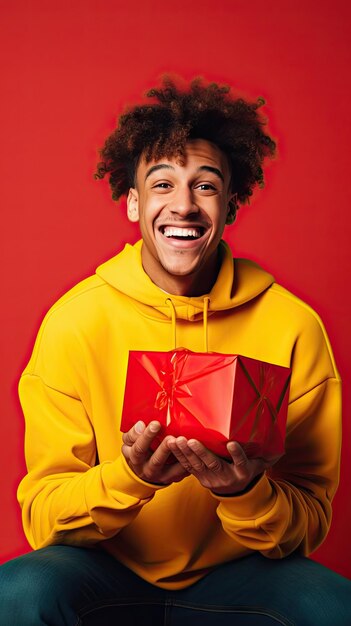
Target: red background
[(69, 68)]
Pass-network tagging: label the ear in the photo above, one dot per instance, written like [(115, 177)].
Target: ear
[(232, 209), (133, 205)]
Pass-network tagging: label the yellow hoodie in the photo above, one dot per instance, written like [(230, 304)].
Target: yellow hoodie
[(79, 490)]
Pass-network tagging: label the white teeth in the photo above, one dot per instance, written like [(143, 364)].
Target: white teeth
[(172, 231)]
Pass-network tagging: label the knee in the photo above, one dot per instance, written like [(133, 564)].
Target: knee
[(324, 604), (19, 584), (17, 580), (27, 575), (30, 586)]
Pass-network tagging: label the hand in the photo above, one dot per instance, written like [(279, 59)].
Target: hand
[(213, 472), (150, 465)]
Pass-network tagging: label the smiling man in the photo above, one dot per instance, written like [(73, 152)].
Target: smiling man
[(121, 534), (182, 206)]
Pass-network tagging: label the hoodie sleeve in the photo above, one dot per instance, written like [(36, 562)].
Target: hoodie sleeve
[(67, 496), (289, 508)]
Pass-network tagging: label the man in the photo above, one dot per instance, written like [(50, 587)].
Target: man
[(123, 535)]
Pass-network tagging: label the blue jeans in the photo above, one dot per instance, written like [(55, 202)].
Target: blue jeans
[(64, 585)]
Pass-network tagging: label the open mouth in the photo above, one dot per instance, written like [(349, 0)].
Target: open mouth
[(184, 233)]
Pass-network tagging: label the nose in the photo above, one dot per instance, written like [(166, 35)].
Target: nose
[(183, 203)]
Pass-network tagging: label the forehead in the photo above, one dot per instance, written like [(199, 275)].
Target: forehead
[(198, 152)]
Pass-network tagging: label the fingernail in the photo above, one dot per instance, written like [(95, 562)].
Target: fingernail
[(139, 427), (154, 427)]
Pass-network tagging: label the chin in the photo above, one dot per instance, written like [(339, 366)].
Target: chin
[(179, 267), (178, 271)]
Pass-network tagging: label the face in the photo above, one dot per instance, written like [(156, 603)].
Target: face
[(182, 207)]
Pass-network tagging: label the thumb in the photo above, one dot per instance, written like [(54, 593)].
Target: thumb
[(238, 456)]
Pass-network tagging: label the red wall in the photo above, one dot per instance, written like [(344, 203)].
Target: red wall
[(69, 67)]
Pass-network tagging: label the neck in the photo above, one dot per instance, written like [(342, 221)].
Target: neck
[(184, 286), (194, 284)]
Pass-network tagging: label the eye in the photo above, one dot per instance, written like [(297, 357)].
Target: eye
[(161, 185), (206, 187)]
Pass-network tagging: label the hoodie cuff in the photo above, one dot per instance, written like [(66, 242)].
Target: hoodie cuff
[(118, 476), (251, 504)]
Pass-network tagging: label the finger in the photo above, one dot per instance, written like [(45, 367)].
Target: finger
[(158, 463), (140, 450), (161, 455), (132, 435), (239, 457), (189, 459), (177, 452), (210, 460)]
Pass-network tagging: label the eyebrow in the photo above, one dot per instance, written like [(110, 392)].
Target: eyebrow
[(155, 168), (214, 170), (202, 168)]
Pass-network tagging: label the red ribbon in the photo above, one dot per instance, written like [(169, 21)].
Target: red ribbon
[(170, 383)]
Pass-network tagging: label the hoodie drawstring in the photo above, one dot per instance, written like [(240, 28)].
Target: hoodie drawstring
[(174, 321), (205, 319)]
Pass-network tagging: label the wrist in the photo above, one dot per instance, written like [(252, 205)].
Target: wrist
[(241, 492)]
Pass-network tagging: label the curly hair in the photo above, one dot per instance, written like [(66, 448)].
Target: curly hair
[(174, 116)]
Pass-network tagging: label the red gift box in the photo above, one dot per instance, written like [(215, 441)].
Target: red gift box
[(212, 397)]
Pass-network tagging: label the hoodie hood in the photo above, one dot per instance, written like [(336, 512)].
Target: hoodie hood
[(238, 282)]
